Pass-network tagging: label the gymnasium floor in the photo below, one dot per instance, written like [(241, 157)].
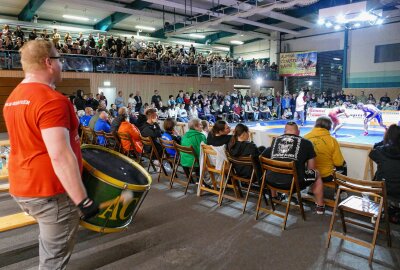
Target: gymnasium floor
[(348, 133)]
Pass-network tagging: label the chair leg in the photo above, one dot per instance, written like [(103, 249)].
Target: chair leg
[(225, 183), (387, 225), (174, 170), (333, 218), (303, 214), (220, 186), (341, 213), (287, 211), (260, 195), (189, 178), (376, 230), (247, 195)]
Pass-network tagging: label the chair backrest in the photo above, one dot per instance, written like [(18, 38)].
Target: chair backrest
[(88, 135), (360, 186), (112, 140), (207, 152), (242, 161), (278, 166), (185, 149), (101, 133), (148, 141), (168, 144)]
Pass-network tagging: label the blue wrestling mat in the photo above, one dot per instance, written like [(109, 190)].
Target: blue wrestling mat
[(348, 133)]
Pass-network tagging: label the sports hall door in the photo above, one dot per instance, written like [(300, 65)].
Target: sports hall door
[(110, 93)]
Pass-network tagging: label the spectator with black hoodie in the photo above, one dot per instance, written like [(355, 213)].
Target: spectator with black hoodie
[(218, 135), (240, 146), (386, 155), (152, 129)]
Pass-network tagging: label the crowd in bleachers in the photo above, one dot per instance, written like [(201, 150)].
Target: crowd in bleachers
[(122, 47)]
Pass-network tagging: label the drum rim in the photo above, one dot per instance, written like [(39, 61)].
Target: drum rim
[(111, 180), (101, 229)]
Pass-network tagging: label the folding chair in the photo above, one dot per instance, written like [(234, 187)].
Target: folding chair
[(190, 151), (288, 168), (98, 134), (88, 136), (235, 179), (126, 137), (354, 205), (208, 167), (150, 154), (165, 156), (112, 141)]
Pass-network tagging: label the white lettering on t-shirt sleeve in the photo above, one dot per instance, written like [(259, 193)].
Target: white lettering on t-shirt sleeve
[(18, 102)]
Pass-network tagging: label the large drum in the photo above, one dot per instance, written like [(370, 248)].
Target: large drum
[(117, 183)]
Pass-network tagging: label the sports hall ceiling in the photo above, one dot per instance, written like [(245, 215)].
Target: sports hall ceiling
[(219, 21)]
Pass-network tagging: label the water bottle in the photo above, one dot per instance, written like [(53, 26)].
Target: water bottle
[(365, 202)]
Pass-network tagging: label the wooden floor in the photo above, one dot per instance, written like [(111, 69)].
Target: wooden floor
[(174, 231)]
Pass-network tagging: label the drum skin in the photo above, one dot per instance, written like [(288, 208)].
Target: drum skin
[(119, 200)]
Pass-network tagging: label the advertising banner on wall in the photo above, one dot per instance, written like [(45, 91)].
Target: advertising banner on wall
[(355, 116), (298, 64)]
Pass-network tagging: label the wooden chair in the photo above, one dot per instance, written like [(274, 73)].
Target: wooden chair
[(112, 141), (152, 153), (288, 168), (208, 167), (88, 136), (328, 202), (165, 156), (235, 179), (190, 151), (353, 204), (126, 137), (180, 127), (98, 134)]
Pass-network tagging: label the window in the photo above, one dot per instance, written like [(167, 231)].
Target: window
[(387, 53)]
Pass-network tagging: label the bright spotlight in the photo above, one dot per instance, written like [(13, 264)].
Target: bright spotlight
[(328, 24), (357, 24), (379, 21), (259, 80), (310, 83), (337, 27), (321, 21), (341, 19)]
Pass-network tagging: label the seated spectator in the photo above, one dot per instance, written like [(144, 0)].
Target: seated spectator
[(218, 135), (170, 134), (113, 111), (287, 114), (84, 120), (386, 155), (133, 131), (249, 112), (193, 113), (152, 129), (326, 147), (182, 115), (102, 125), (172, 111), (207, 114), (193, 137), (237, 112), (240, 146), (291, 147), (122, 115), (227, 111), (265, 112), (205, 126)]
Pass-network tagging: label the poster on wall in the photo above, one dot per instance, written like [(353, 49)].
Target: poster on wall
[(298, 64)]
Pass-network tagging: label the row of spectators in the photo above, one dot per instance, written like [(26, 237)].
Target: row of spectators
[(232, 106), (110, 46)]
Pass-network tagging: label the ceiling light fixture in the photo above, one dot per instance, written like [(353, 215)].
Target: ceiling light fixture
[(148, 28), (237, 42), (73, 17)]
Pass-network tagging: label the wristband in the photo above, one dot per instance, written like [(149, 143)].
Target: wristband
[(88, 208)]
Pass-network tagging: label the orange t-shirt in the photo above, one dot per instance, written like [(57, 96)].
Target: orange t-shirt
[(30, 108)]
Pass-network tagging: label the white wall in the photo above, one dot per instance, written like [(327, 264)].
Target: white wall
[(319, 43), (362, 44), (258, 49)]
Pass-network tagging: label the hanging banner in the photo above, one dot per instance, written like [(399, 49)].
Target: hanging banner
[(298, 64)]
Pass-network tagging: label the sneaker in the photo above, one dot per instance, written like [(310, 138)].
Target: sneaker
[(365, 133), (320, 209)]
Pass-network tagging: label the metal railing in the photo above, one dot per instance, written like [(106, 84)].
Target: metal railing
[(86, 63)]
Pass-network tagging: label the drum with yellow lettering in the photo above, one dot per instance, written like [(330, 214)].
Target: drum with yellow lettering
[(117, 183)]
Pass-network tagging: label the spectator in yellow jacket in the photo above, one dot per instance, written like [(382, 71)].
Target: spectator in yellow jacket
[(326, 147)]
